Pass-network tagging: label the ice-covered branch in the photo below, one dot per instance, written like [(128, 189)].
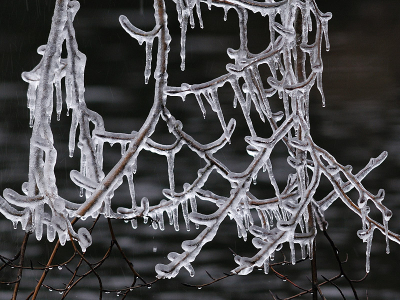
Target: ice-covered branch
[(293, 60)]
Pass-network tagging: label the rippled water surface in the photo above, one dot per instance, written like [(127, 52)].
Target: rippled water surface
[(361, 119)]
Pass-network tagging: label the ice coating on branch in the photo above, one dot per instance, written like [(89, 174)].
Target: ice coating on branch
[(288, 218), (285, 57), (142, 37)]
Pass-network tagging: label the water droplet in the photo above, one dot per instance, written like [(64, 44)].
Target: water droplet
[(149, 287), (154, 249), (199, 288), (60, 268)]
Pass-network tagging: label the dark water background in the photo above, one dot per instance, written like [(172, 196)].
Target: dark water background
[(361, 119)]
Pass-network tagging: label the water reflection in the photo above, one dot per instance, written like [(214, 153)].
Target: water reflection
[(361, 119)]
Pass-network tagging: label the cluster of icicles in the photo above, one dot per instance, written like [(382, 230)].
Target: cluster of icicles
[(291, 217)]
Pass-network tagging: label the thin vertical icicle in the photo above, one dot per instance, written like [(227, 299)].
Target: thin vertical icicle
[(324, 25), (319, 86), (171, 163), (38, 221), (131, 185), (200, 102), (292, 251), (193, 207), (72, 132), (185, 212), (368, 253), (226, 9), (266, 266), (198, 11), (243, 17), (271, 21), (385, 224), (160, 218), (183, 39), (242, 102), (57, 84), (134, 223), (272, 177), (32, 90), (123, 148), (212, 98), (175, 218), (149, 55)]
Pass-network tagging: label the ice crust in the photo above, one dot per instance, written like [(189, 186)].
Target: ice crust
[(282, 219)]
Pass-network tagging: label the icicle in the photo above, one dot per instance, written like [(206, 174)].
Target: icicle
[(134, 223), (385, 224), (59, 98), (214, 102), (83, 171), (319, 86), (246, 111), (193, 207), (252, 92), (154, 224), (239, 231), (38, 221), (123, 149), (147, 69), (303, 251), (72, 132), (171, 161), (170, 218), (364, 212), (179, 9), (31, 94), (183, 40), (266, 266), (368, 253), (99, 154), (198, 11), (190, 269), (31, 118), (268, 222), (185, 212), (51, 233), (84, 238), (200, 102), (175, 218), (272, 177), (160, 219), (324, 25), (235, 101), (131, 185), (292, 251), (226, 9)]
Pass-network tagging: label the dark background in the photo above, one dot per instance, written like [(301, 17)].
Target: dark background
[(360, 120)]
